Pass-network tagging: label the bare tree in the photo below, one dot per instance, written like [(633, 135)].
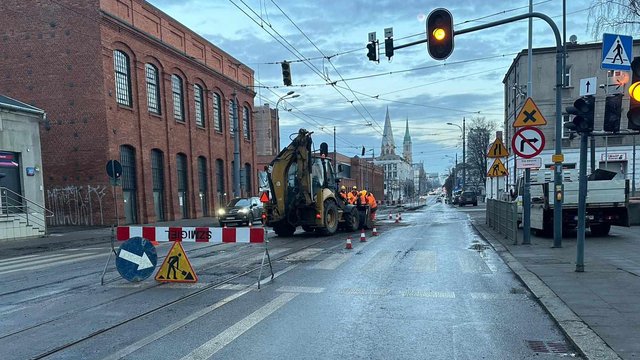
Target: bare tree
[(613, 15), (478, 141)]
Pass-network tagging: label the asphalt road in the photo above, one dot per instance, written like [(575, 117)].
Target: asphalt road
[(426, 288)]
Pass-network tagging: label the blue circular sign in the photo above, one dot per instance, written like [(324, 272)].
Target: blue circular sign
[(136, 260)]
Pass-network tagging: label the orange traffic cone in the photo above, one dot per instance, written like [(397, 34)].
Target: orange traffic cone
[(390, 217), (348, 246), (397, 219), (363, 237), (375, 231)]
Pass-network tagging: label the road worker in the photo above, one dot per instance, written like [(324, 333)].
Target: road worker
[(353, 195), (371, 201), (362, 197), (344, 194)]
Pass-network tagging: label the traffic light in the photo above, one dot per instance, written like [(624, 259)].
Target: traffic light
[(633, 115), (583, 110), (388, 48), (372, 51), (440, 34), (286, 73), (612, 112)]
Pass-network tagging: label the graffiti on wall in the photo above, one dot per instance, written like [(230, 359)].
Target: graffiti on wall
[(76, 205)]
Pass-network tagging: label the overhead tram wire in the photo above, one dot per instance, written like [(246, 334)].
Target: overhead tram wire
[(299, 55), (329, 60)]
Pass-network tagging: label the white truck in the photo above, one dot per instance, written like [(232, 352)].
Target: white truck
[(607, 201)]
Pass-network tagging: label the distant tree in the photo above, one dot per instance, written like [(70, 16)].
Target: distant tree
[(617, 16), (478, 141)]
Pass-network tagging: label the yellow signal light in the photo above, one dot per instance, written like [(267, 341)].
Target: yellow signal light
[(634, 91), (439, 34)]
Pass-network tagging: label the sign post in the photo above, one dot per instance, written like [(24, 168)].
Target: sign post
[(528, 142)]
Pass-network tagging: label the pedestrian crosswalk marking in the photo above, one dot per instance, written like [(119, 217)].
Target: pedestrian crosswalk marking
[(332, 262), (358, 291), (380, 262), (49, 262), (429, 294), (301, 289), (425, 261)]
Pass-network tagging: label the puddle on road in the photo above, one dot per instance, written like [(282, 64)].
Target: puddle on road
[(478, 247)]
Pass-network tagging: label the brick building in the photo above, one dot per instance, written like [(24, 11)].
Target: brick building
[(122, 80)]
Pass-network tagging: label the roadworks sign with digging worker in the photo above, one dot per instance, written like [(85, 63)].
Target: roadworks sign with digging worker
[(176, 266)]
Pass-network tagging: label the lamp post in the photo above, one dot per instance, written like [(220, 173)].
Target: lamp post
[(464, 158), (286, 96)]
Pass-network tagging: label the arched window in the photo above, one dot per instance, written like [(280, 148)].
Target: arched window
[(157, 173), (122, 77), (231, 117), (183, 181), (217, 113), (220, 188), (178, 97), (153, 88), (247, 179), (198, 96), (246, 130), (203, 181)]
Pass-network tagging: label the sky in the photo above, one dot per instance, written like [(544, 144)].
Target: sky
[(339, 87)]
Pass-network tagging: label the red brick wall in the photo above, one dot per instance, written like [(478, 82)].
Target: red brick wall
[(61, 60)]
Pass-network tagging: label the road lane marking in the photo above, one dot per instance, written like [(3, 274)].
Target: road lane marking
[(359, 291), (20, 262), (304, 255), (56, 263), (223, 339), (381, 261), (301, 289), (169, 329), (429, 294), (472, 263), (331, 263), (425, 261), (498, 296)]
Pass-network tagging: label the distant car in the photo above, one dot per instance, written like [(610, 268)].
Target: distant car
[(455, 197), (468, 197), (241, 211)]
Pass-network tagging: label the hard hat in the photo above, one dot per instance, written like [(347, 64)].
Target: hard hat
[(355, 187), (343, 187)]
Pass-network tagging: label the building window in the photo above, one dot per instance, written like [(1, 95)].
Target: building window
[(231, 117), (245, 123), (203, 180), (199, 102), (178, 98), (217, 113), (123, 77), (220, 188), (566, 118), (567, 77), (153, 89), (157, 174), (247, 179)]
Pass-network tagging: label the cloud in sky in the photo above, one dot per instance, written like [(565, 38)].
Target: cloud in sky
[(413, 86)]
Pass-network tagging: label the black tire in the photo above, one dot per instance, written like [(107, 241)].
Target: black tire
[(351, 220), (600, 229), (330, 218), (284, 229), (307, 228), (475, 203)]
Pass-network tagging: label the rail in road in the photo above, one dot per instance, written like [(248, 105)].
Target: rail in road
[(247, 257)]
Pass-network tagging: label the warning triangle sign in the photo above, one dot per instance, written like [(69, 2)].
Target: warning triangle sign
[(497, 149), (497, 169), (529, 115), (176, 267), (616, 53)]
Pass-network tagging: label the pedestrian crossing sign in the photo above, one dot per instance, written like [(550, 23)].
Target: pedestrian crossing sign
[(497, 149), (617, 52), (176, 266), (497, 169)]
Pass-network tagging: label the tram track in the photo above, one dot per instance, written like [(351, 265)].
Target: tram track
[(162, 307)]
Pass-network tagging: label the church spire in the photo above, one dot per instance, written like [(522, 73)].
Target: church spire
[(406, 145), (388, 145)]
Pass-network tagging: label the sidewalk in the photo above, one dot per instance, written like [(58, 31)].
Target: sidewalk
[(598, 309)]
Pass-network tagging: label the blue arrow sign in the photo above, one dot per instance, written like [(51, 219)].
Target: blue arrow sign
[(617, 52), (137, 258)]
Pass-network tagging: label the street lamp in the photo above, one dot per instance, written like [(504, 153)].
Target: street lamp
[(464, 159), (286, 96)]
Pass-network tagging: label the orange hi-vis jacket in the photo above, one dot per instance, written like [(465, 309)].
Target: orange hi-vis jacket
[(352, 196), (344, 195), (371, 200)]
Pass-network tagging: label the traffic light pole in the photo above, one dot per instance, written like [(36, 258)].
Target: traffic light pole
[(582, 202), (558, 158)]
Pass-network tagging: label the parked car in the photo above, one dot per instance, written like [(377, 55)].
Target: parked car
[(241, 211), (455, 196), (468, 197)]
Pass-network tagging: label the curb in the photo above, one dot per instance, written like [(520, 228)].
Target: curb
[(585, 340)]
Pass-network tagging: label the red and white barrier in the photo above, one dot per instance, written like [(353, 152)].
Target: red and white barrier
[(192, 234)]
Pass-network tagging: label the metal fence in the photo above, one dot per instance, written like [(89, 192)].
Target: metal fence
[(502, 216)]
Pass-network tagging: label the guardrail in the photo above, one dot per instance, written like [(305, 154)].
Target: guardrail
[(502, 216)]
